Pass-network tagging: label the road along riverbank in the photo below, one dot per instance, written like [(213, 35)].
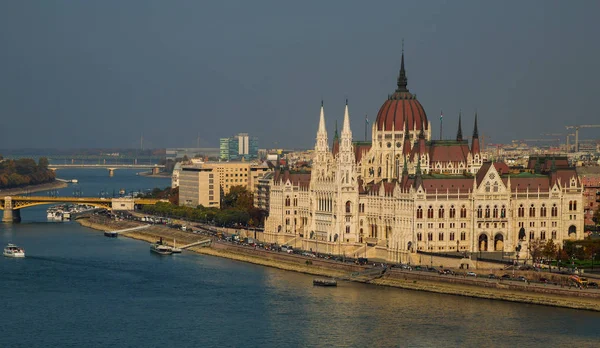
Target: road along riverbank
[(55, 185), (494, 289)]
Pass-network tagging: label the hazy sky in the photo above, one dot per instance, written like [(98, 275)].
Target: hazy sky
[(100, 73)]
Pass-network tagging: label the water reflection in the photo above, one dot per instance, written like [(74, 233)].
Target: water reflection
[(363, 315)]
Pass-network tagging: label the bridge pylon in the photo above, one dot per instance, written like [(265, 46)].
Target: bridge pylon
[(10, 214)]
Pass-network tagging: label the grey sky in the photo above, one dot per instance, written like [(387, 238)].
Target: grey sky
[(100, 73)]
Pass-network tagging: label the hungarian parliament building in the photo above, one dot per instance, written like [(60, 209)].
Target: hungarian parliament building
[(404, 192)]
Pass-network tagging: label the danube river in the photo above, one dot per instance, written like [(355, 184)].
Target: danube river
[(77, 288)]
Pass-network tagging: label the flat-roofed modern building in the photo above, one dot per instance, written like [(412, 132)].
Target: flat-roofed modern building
[(237, 173), (199, 186), (238, 146)]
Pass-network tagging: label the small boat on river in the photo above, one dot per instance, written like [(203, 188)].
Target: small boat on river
[(111, 234), (161, 248), (324, 282), (12, 250)]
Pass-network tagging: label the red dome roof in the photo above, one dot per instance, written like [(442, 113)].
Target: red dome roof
[(400, 108)]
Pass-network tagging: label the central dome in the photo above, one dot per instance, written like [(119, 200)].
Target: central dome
[(401, 107)]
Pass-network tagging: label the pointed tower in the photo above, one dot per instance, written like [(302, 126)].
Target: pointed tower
[(346, 150), (459, 136), (402, 80), (347, 183), (322, 155), (335, 148), (321, 144), (475, 144)]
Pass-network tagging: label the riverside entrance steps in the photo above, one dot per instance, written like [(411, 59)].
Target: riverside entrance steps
[(200, 242), (131, 229)]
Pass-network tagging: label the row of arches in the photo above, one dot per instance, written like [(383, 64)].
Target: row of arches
[(441, 212), (532, 210)]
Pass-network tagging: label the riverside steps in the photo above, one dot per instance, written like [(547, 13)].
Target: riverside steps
[(116, 233), (205, 242)]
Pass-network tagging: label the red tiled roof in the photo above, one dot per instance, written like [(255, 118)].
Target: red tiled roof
[(532, 184), (360, 150), (445, 152), (501, 168), (451, 185), (387, 186), (546, 162), (336, 147), (299, 179), (400, 107)]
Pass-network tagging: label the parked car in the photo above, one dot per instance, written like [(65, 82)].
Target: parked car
[(593, 285), (521, 278), (471, 274), (506, 276), (543, 280), (492, 276)]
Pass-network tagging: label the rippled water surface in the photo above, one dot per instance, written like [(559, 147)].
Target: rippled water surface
[(77, 288)]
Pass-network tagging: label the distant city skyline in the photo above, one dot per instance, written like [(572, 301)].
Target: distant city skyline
[(184, 74)]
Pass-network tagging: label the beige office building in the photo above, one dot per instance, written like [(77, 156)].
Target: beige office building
[(237, 174), (199, 186)]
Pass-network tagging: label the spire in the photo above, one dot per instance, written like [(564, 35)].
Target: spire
[(405, 167), (335, 135), (553, 167), (346, 136), (402, 81), (475, 131), (422, 132), (346, 125), (322, 121), (459, 133), (475, 140)]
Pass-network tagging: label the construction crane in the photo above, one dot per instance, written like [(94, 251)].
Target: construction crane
[(568, 145), (577, 132)]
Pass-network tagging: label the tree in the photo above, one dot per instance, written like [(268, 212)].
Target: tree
[(43, 163), (549, 251), (238, 197), (535, 249)]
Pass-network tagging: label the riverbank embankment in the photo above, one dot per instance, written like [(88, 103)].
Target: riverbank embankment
[(411, 280), (33, 188)]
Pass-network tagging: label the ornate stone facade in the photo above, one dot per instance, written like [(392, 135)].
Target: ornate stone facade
[(406, 193)]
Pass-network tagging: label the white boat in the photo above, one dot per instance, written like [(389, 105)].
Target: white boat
[(161, 248), (12, 250)]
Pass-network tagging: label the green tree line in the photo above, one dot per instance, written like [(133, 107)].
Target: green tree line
[(237, 209), (24, 171)]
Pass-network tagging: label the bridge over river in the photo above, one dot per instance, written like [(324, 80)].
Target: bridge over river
[(155, 168), (12, 205)]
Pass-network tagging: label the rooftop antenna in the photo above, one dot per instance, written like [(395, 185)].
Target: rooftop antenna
[(142, 142), (366, 126), (441, 122)]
